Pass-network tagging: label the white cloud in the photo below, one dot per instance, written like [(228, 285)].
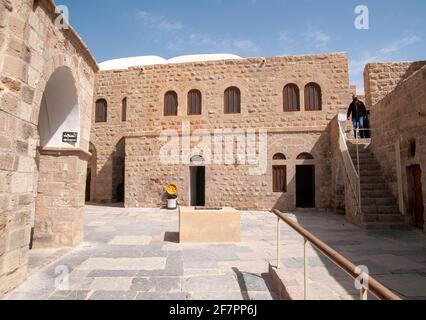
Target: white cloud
[(285, 38), (205, 41), (399, 44), (391, 51), (318, 38), (179, 38), (159, 22)]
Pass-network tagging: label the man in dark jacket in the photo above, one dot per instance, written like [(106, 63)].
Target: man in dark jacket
[(358, 111)]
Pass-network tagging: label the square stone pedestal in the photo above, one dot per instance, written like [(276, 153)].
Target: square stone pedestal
[(209, 225)]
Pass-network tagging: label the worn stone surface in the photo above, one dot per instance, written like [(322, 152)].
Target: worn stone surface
[(233, 271)]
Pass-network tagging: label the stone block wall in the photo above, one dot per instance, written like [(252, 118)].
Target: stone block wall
[(60, 198), (382, 78), (229, 185), (401, 116), (31, 49), (261, 82)]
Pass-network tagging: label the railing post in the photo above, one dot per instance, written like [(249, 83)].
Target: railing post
[(305, 271), (363, 293), (278, 243)]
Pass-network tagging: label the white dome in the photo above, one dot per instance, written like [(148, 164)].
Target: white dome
[(125, 63), (203, 57)]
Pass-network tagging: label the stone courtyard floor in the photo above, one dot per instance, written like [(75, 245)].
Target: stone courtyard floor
[(134, 254)]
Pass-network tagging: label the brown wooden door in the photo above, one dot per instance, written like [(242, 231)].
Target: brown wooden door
[(418, 197), (305, 186)]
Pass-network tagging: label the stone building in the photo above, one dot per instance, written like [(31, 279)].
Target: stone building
[(46, 88), (292, 98), (70, 133), (397, 93)]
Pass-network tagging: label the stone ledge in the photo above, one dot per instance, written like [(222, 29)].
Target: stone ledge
[(62, 152), (318, 129), (286, 289)]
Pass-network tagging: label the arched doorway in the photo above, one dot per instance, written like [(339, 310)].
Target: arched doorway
[(197, 181), (118, 171), (58, 218), (59, 110), (305, 181)]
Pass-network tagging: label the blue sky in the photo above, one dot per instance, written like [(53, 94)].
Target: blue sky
[(168, 28)]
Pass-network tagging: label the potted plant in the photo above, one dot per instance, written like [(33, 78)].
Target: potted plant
[(171, 191)]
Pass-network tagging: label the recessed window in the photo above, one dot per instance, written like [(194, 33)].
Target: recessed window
[(101, 111), (124, 110), (279, 178), (232, 100), (291, 98), (171, 104), (305, 156), (279, 156), (194, 102), (313, 98)]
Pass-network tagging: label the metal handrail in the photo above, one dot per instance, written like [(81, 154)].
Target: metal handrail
[(370, 285)]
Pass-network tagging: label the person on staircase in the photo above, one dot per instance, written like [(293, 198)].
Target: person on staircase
[(358, 112)]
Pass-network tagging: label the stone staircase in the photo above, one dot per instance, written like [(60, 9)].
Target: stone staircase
[(379, 207)]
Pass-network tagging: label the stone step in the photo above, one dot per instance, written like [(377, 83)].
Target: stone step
[(379, 201), (379, 209), (362, 154), (394, 218), (368, 166), (375, 193), (372, 179), (373, 186), (385, 226), (352, 149), (365, 160), (369, 173)]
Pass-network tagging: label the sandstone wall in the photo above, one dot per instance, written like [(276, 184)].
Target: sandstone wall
[(31, 49), (401, 116), (382, 78), (261, 83)]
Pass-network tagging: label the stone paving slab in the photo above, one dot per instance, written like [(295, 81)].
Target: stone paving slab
[(133, 254)]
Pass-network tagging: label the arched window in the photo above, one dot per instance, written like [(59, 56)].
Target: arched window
[(194, 102), (305, 156), (232, 100), (124, 109), (101, 111), (313, 99), (171, 104), (279, 156), (291, 98)]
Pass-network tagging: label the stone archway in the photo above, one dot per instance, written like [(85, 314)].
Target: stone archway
[(118, 172), (61, 165)]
